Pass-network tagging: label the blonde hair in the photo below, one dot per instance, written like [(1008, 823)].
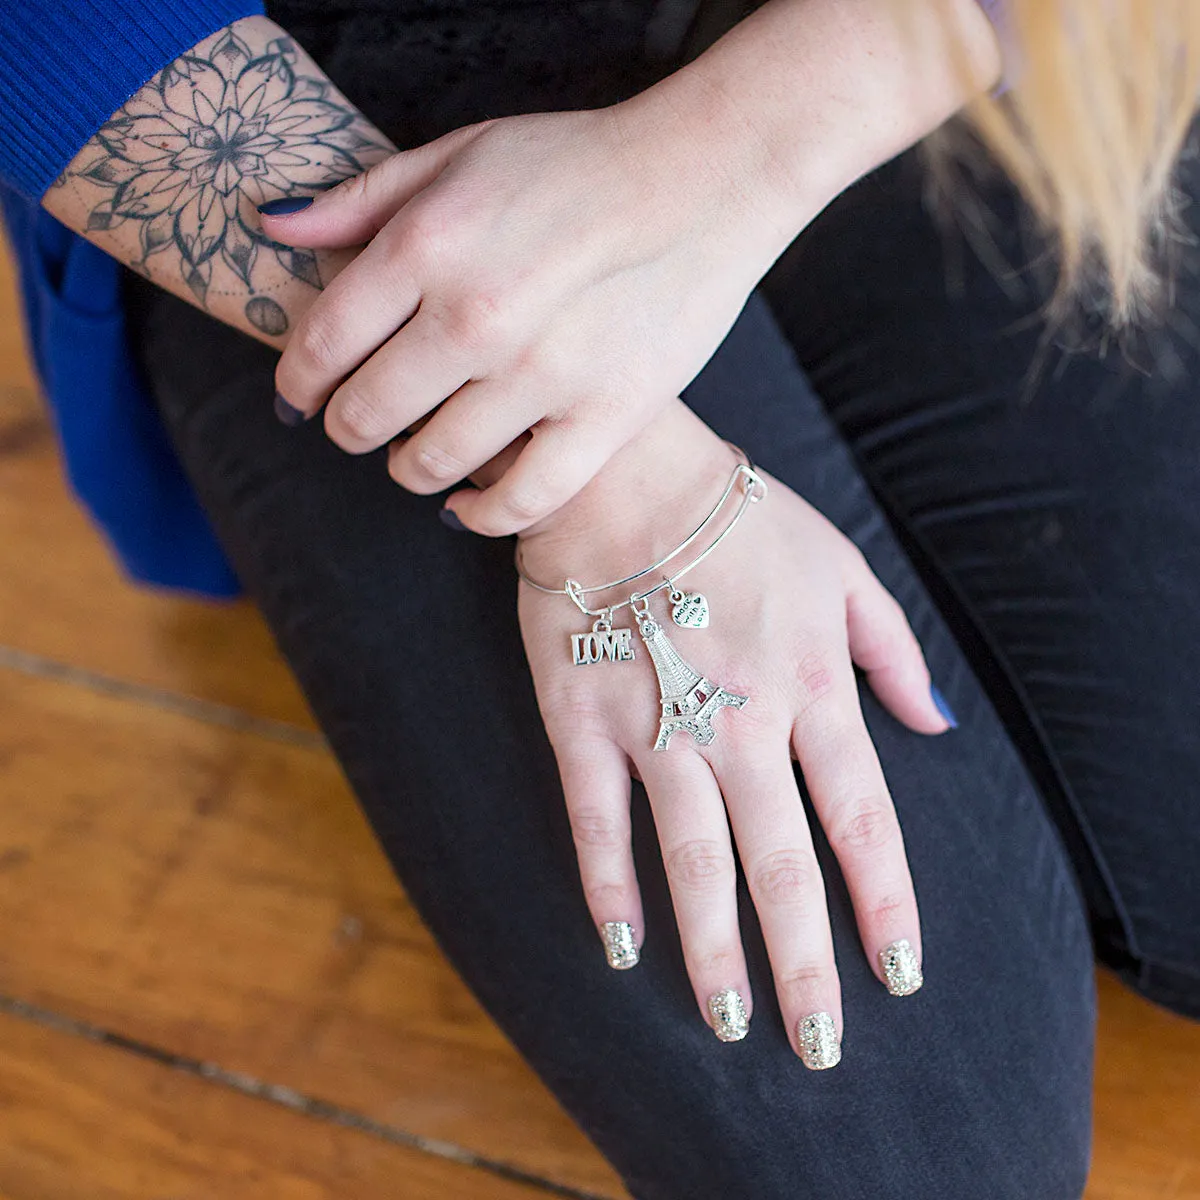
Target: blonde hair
[(1100, 97)]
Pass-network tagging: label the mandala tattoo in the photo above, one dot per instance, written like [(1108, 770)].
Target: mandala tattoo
[(189, 158)]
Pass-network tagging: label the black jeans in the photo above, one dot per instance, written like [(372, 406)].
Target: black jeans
[(1040, 530)]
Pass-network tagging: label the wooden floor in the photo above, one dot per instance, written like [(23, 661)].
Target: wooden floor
[(211, 985)]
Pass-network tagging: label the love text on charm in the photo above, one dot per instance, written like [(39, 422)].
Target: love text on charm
[(616, 645)]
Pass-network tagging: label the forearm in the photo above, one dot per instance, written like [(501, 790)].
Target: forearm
[(171, 183), (803, 97)]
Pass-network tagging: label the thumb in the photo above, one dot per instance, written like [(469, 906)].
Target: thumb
[(354, 211)]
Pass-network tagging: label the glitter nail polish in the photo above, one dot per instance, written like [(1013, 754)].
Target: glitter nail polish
[(901, 971), (619, 945), (819, 1045), (728, 1012)]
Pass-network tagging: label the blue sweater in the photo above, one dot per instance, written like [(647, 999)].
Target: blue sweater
[(65, 68)]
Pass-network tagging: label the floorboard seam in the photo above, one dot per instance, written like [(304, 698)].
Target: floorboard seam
[(274, 1093), (208, 711)]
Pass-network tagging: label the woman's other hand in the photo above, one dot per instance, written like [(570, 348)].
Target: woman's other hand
[(565, 273), (794, 607)]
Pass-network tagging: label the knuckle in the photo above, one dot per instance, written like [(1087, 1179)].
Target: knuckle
[(525, 504), (480, 321), (785, 877), (868, 824), (595, 827), (699, 865), (436, 464), (361, 188), (362, 415), (605, 896), (802, 978), (513, 506), (424, 235), (319, 346), (717, 964), (817, 678), (889, 909), (375, 188)]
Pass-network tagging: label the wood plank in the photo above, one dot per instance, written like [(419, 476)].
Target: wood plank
[(15, 371), (1147, 1107), (88, 1120), (62, 595), (220, 895)]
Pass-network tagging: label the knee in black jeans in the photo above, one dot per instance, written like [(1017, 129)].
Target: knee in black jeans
[(373, 601)]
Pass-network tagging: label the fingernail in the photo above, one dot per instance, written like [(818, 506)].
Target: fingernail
[(728, 1012), (619, 945), (940, 701), (901, 971), (286, 413), (449, 518), (285, 206), (819, 1045)]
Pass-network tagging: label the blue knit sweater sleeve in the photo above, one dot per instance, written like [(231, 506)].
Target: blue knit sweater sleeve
[(67, 66)]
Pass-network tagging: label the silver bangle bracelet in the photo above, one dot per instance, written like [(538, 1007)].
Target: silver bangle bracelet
[(754, 489)]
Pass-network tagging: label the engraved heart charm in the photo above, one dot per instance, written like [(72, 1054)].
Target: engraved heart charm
[(691, 611)]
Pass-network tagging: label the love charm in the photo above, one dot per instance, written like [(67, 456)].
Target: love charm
[(604, 642)]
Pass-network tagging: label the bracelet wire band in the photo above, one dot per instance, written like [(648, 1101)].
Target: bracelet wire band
[(754, 488)]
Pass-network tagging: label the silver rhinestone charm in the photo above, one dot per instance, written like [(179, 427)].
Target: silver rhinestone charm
[(689, 700)]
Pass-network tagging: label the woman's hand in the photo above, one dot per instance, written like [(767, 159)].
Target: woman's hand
[(794, 606), (566, 273)]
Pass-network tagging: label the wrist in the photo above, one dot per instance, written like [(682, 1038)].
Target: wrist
[(803, 97), (646, 499), (778, 195)]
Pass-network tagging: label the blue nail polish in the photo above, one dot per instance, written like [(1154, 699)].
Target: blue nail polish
[(942, 707), (285, 206), (451, 521), (286, 413)]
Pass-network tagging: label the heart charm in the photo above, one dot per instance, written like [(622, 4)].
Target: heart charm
[(691, 611)]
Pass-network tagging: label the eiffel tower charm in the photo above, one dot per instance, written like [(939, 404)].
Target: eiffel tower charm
[(689, 699)]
